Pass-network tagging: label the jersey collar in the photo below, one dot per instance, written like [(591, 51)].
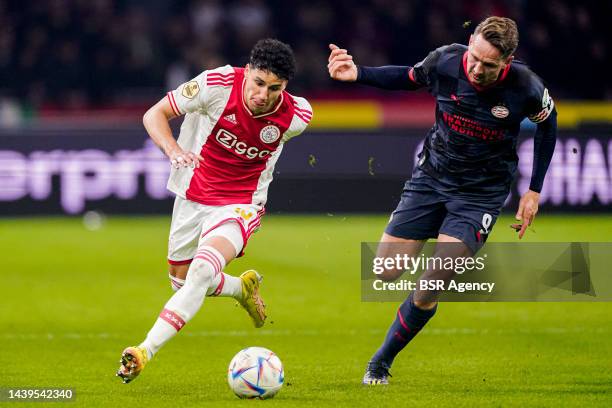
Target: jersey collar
[(479, 88), (246, 108)]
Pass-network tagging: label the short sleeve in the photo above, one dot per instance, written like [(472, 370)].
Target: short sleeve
[(539, 102), (190, 96), (302, 116)]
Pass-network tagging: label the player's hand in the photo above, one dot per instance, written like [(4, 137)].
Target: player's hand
[(341, 66), (528, 208), (179, 158)]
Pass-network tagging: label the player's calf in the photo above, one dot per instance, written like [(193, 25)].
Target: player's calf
[(186, 302), (409, 321)]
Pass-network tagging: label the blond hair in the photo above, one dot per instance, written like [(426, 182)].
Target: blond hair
[(500, 32)]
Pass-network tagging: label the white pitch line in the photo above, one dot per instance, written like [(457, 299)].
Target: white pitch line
[(445, 331)]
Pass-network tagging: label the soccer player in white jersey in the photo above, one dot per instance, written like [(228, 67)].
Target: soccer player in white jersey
[(236, 123)]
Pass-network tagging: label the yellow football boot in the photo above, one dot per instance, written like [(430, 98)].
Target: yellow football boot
[(133, 361), (251, 300)]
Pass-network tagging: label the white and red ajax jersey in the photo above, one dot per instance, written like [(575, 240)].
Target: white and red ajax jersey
[(239, 149)]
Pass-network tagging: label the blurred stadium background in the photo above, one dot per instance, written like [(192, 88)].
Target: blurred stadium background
[(76, 77)]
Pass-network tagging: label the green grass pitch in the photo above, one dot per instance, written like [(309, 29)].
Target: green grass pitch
[(72, 299)]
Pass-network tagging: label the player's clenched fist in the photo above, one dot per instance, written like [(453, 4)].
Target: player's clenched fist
[(179, 158), (341, 66)]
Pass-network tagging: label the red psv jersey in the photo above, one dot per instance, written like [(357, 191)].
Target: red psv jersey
[(239, 149)]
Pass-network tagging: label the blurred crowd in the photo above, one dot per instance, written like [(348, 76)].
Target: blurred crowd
[(82, 53)]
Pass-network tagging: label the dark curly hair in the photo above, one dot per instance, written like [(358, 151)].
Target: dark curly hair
[(273, 56)]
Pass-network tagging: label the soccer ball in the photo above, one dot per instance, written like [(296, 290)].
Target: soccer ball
[(255, 372)]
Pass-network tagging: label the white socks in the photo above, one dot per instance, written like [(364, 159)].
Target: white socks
[(185, 303), (227, 286), (176, 283), (223, 285)]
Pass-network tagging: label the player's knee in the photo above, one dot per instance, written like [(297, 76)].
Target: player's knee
[(207, 263), (389, 275), (227, 238), (392, 247), (201, 273)]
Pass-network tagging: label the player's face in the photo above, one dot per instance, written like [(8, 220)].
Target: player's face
[(484, 61), (261, 90)]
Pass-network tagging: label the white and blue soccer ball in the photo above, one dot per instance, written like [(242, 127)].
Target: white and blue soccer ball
[(255, 372)]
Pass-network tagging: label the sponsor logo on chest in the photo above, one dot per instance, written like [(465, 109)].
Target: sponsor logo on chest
[(232, 142)]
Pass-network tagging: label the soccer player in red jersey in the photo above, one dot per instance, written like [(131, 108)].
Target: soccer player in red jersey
[(236, 123)]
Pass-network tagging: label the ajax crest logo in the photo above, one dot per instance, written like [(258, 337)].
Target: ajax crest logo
[(269, 134)]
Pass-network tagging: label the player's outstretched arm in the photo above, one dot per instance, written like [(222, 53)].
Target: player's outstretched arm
[(155, 121), (342, 68), (340, 64)]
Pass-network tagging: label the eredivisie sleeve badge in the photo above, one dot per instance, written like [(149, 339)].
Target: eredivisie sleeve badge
[(190, 89)]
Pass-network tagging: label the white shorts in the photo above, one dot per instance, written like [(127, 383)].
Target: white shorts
[(192, 222)]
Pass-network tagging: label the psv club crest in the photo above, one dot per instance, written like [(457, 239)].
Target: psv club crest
[(500, 111), (269, 134)]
